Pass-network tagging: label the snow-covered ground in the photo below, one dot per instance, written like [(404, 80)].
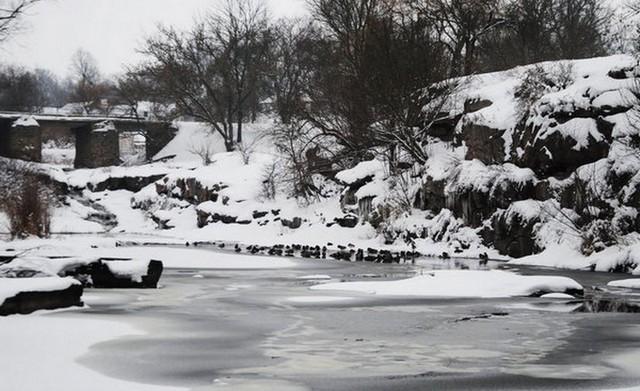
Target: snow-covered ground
[(40, 352)]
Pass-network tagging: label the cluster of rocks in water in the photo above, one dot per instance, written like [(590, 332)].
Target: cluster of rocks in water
[(349, 253)]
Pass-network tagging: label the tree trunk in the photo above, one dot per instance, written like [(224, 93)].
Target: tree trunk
[(239, 127), (229, 145)]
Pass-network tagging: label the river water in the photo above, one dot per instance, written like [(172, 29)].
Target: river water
[(264, 330)]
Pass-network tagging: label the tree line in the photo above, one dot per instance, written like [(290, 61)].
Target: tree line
[(352, 70)]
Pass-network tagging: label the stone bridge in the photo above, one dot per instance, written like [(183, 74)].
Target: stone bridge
[(97, 139)]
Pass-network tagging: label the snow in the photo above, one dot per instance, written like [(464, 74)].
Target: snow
[(103, 127), (633, 283), (41, 352), (315, 277), (90, 177), (613, 99), (361, 171), (373, 189), (10, 287), (50, 266), (319, 299), (559, 296), (134, 269), (194, 136), (25, 122), (459, 284), (559, 256), (579, 129), (240, 181), (119, 203), (189, 136), (72, 218), (527, 210), (475, 175)]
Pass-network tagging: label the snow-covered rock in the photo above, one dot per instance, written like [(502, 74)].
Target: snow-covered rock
[(633, 283), (462, 284), (26, 295)]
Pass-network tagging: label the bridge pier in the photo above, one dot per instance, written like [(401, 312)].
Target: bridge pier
[(97, 146), (158, 135), (21, 139)]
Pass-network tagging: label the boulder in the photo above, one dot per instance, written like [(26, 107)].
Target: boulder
[(30, 301), (294, 223), (130, 183), (205, 218), (483, 143), (478, 191), (189, 189), (431, 196), (512, 233), (558, 149), (348, 221), (104, 274)]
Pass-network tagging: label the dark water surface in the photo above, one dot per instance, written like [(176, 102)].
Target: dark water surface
[(264, 330)]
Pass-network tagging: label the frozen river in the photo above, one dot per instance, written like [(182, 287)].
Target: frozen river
[(265, 330)]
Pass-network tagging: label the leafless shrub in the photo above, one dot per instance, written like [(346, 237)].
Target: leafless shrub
[(293, 141), (204, 150), (248, 148), (25, 199), (270, 180)]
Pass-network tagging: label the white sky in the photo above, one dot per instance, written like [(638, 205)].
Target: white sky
[(111, 30)]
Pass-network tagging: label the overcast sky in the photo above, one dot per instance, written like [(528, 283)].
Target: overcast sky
[(109, 29)]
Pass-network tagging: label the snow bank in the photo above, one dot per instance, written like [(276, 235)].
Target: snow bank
[(10, 287), (361, 171), (633, 283), (466, 284), (561, 257)]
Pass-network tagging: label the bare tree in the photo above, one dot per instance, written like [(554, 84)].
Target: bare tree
[(369, 69), (293, 66), (578, 25), (213, 72), (461, 24), (88, 86), (10, 14), (547, 30), (341, 107)]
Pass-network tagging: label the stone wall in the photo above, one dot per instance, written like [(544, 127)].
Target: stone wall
[(97, 146), (20, 140)]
